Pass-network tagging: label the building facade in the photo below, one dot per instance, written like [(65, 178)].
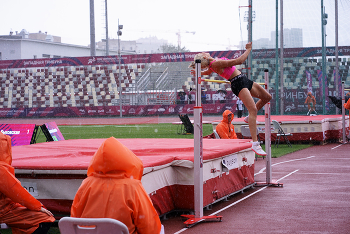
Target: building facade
[(147, 45), (24, 45)]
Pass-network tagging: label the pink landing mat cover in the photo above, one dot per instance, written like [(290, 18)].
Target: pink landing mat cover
[(76, 154)]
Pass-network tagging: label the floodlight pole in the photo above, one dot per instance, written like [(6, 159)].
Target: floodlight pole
[(119, 76), (336, 53), (107, 42), (324, 17), (281, 61), (92, 29), (276, 57)]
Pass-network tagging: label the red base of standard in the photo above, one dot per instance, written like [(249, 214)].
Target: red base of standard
[(192, 220)]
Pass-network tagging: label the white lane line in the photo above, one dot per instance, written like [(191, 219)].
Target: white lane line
[(339, 159), (115, 126), (293, 160), (340, 174), (287, 175), (240, 200), (336, 146)]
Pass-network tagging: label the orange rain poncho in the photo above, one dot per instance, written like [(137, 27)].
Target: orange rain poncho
[(347, 106), (18, 208), (113, 189), (225, 129)]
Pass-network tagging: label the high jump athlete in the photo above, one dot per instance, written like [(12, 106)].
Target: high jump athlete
[(241, 86)]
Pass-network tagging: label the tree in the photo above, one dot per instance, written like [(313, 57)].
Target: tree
[(169, 48)]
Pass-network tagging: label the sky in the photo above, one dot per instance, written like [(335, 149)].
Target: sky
[(218, 25)]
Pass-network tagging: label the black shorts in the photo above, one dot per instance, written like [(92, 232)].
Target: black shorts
[(239, 82)]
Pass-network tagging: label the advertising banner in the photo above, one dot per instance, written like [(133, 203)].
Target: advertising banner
[(20, 134), (166, 57), (309, 81), (54, 131), (337, 81), (320, 80)]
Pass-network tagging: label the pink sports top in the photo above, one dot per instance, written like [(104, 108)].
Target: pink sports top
[(227, 71)]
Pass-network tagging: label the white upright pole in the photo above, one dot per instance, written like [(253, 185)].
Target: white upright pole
[(198, 146), (250, 37), (198, 157), (343, 111), (267, 131)]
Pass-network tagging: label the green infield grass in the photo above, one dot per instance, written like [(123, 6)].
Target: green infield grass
[(163, 130)]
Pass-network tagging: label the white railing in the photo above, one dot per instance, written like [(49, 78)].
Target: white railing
[(144, 80), (162, 79)]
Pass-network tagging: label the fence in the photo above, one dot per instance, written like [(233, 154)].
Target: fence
[(85, 84)]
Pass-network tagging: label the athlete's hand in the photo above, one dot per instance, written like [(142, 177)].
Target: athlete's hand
[(248, 45), (46, 211), (193, 72)]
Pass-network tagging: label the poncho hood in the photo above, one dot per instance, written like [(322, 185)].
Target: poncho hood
[(225, 116), (113, 159)]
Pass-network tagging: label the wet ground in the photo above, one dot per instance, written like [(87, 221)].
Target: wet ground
[(315, 197)]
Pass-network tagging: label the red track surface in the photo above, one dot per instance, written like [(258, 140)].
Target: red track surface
[(314, 198)]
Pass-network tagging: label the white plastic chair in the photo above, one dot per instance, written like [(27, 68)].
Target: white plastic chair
[(70, 225), (3, 226), (281, 133), (245, 131), (216, 134)]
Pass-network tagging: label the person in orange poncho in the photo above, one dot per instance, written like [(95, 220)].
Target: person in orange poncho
[(18, 208), (225, 129), (347, 106), (311, 103), (113, 189)]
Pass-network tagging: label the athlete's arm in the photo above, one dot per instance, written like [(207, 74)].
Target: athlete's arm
[(233, 62)]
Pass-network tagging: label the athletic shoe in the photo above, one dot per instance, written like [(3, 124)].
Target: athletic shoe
[(246, 120), (258, 150)]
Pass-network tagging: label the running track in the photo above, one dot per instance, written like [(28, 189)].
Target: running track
[(315, 197)]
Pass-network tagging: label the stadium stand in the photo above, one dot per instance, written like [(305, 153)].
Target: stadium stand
[(74, 86), (65, 86)]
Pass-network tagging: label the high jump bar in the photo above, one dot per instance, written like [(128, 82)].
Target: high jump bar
[(223, 81)]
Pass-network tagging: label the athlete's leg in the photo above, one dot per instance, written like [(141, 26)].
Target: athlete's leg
[(249, 103), (258, 91)]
